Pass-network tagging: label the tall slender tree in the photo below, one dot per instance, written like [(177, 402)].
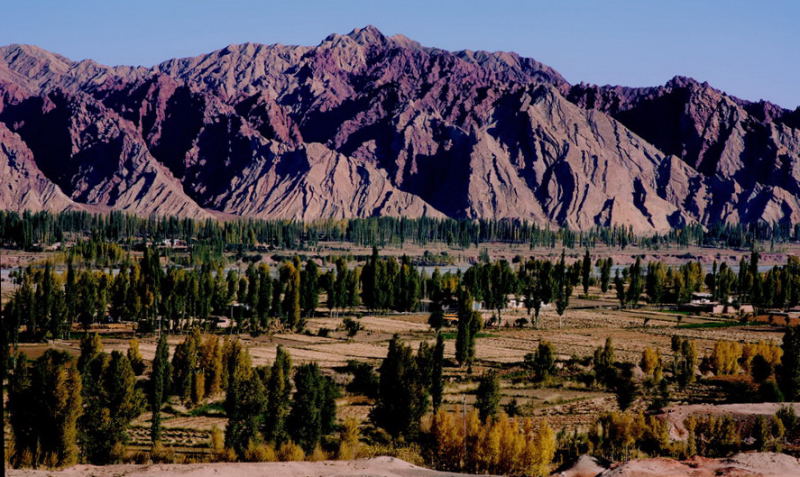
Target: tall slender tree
[(469, 323), (563, 288), (586, 271), (279, 389), (402, 397), (159, 385), (437, 381), (313, 412)]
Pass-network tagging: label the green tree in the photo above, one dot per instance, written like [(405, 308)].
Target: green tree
[(244, 401), (487, 397), (111, 402), (290, 276), (44, 403), (542, 362), (655, 282), (605, 273), (135, 357), (604, 363), (159, 384), (625, 386), (370, 285), (635, 285), (437, 381), (586, 270), (469, 323), (313, 411), (279, 390), (262, 288), (309, 284), (790, 363), (684, 361), (402, 397), (185, 367), (619, 286), (563, 288), (91, 347)]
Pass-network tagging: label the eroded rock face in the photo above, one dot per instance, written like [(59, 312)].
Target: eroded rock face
[(364, 124)]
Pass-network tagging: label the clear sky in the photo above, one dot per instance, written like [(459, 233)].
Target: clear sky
[(749, 48)]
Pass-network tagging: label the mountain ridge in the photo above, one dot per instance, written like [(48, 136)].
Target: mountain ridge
[(365, 124)]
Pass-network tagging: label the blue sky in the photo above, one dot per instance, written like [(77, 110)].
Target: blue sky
[(748, 48)]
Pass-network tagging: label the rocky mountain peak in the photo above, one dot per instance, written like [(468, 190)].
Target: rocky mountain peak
[(364, 124)]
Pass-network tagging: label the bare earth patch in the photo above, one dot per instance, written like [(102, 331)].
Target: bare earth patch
[(755, 464), (376, 467)]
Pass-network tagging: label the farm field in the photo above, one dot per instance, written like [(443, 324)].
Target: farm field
[(351, 339), (585, 327)]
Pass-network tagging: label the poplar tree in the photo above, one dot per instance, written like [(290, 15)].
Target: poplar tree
[(586, 270), (159, 384), (655, 282), (469, 323), (563, 288), (45, 403), (263, 285), (369, 280), (487, 397), (290, 276), (279, 390), (313, 412), (91, 346), (245, 401), (309, 283), (135, 357), (437, 382), (605, 273), (635, 285), (185, 367), (790, 363), (619, 286), (402, 397), (211, 364), (111, 403)]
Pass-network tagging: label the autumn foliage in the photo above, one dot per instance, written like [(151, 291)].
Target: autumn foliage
[(502, 445)]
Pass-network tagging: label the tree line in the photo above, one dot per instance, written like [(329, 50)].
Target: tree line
[(155, 293), (30, 230)]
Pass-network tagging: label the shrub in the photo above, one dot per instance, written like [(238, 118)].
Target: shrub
[(135, 357), (348, 440), (160, 454), (365, 380), (542, 362), (351, 326), (317, 454), (289, 451), (259, 453)]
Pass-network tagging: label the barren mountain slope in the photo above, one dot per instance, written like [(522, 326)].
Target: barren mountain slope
[(364, 124)]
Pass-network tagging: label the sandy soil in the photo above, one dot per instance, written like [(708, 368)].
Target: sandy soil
[(756, 464), (376, 467)]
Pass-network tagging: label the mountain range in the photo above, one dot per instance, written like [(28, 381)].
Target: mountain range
[(365, 124)]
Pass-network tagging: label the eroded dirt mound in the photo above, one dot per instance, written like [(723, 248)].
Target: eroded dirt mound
[(761, 464), (377, 467)]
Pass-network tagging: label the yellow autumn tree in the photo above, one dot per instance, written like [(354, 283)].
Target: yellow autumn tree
[(725, 357), (501, 445), (771, 353), (651, 365)]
